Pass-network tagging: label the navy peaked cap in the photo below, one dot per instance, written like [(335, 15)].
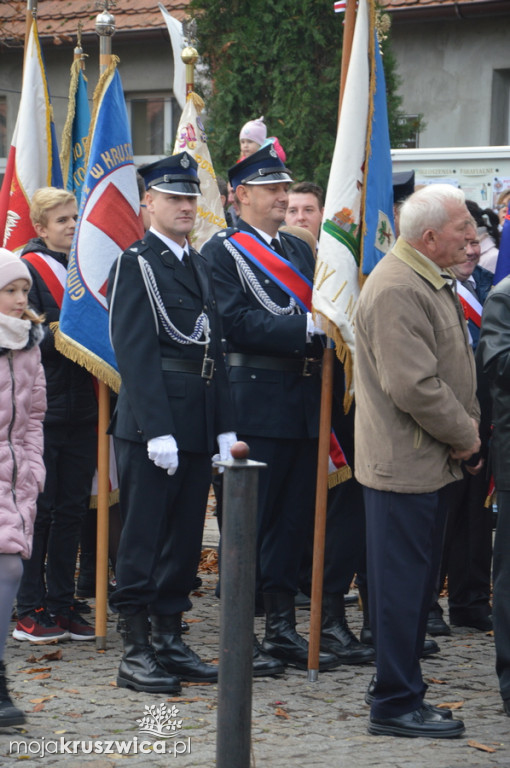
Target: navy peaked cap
[(176, 175), (263, 167)]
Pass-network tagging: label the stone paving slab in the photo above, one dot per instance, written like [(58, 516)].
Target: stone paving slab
[(295, 723)]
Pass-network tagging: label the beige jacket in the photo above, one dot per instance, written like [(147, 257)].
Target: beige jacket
[(414, 377)]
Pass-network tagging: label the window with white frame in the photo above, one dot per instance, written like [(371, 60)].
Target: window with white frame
[(153, 119)]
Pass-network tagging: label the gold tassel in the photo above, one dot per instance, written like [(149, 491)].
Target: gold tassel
[(87, 359), (65, 155), (197, 100)]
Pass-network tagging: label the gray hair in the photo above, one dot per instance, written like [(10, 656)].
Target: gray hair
[(426, 209)]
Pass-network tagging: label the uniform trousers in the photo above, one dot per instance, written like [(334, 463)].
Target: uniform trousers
[(404, 539), (286, 498), (467, 549), (501, 599), (162, 526)]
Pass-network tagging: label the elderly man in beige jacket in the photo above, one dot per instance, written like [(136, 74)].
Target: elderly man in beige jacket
[(416, 420)]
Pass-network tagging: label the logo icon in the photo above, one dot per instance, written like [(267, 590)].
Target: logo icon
[(160, 722)]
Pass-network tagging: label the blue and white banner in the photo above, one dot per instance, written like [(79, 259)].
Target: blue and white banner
[(108, 223), (75, 133)]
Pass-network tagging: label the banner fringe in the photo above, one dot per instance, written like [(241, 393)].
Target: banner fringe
[(343, 353), (87, 359), (66, 141), (113, 498), (341, 475)]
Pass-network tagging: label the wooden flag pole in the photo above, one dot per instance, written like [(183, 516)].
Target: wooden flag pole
[(105, 27), (321, 496)]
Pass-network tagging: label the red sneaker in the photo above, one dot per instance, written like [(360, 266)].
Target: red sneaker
[(75, 625), (38, 627)]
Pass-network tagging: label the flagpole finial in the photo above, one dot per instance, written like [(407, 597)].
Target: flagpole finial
[(105, 24)]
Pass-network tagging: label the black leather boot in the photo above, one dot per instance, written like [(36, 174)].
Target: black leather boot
[(265, 665), (282, 641), (337, 638), (9, 714), (175, 656), (139, 667)]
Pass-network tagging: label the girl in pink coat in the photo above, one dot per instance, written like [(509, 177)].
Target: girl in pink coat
[(22, 473)]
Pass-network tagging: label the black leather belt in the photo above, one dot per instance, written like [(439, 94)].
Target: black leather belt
[(306, 366), (204, 368)]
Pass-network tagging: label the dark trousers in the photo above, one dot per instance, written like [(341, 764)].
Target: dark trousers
[(467, 549), (286, 501), (501, 600), (70, 458), (344, 553), (404, 539), (162, 526)]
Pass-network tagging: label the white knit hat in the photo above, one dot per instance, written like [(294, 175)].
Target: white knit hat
[(12, 268)]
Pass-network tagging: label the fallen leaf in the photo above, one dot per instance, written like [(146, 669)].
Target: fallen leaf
[(481, 747), (54, 656), (451, 705), (42, 698), (38, 707), (37, 669), (188, 699), (75, 714), (435, 680), (43, 676), (70, 690), (279, 712)]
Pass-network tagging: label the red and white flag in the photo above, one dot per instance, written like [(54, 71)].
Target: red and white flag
[(340, 6), (33, 157)]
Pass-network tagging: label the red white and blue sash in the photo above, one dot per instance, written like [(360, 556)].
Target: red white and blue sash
[(281, 271), (296, 285)]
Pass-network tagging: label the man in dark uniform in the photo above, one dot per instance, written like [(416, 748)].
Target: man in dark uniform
[(263, 283), (173, 409)]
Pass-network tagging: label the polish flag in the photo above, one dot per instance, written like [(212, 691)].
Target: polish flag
[(33, 157)]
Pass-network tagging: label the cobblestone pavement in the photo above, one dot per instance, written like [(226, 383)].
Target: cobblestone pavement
[(294, 723)]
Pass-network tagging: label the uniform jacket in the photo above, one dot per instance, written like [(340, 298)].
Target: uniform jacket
[(267, 403), (70, 389), (414, 377), (22, 473), (493, 366), (153, 402)]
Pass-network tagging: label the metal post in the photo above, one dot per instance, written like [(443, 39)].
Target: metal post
[(238, 546)]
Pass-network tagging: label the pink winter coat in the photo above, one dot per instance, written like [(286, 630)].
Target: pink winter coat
[(22, 472)]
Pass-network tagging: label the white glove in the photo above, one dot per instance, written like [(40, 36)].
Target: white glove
[(225, 442), (311, 327), (164, 453)]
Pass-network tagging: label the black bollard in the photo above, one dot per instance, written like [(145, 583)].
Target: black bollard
[(238, 546)]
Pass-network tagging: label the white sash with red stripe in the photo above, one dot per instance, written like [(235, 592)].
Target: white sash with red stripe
[(470, 304)]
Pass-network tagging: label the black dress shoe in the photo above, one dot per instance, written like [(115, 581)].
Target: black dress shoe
[(265, 665), (483, 623), (418, 723), (436, 625), (506, 707), (444, 714), (430, 647)]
